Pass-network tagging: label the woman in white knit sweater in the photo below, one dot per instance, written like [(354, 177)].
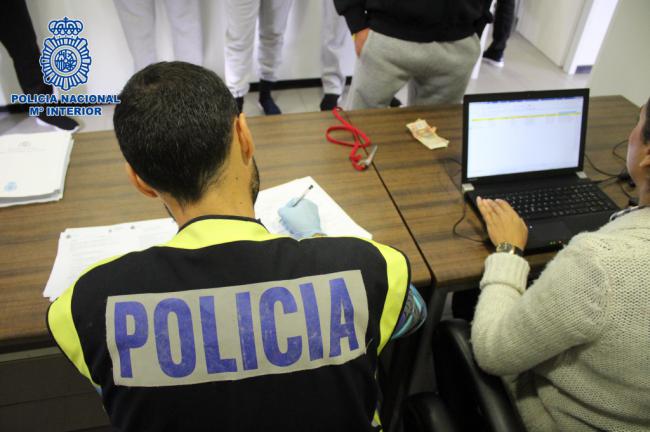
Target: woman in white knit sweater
[(574, 348)]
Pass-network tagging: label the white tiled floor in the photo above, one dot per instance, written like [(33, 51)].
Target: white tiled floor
[(526, 68)]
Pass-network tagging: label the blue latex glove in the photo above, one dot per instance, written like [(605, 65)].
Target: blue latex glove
[(302, 220)]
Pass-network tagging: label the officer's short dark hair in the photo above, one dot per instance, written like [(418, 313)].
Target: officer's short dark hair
[(174, 126)]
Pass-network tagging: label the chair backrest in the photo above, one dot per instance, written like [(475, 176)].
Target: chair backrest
[(426, 412), (476, 400)]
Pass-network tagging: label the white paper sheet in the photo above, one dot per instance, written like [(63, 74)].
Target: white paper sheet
[(334, 220), (80, 248), (33, 167)]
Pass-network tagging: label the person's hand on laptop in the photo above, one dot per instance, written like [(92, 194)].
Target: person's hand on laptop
[(503, 223)]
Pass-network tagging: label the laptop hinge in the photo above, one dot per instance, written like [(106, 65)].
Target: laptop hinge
[(467, 187), (582, 175)]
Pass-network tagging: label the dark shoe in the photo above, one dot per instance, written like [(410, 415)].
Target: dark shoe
[(329, 102), (62, 123), (240, 104), (267, 103), (265, 89), (493, 58), (395, 103), (269, 106)]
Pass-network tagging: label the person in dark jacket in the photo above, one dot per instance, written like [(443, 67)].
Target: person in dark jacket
[(432, 45), (504, 17)]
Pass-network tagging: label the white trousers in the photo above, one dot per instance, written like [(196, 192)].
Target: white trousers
[(241, 16), (333, 36), (138, 21)]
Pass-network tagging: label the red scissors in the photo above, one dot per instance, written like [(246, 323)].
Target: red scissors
[(361, 141)]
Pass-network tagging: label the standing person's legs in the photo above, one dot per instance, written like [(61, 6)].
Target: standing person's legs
[(379, 72), (18, 37), (333, 36), (504, 17), (273, 22), (444, 72), (241, 16), (138, 21), (185, 19)]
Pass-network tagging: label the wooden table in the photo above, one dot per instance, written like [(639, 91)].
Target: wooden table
[(97, 193)]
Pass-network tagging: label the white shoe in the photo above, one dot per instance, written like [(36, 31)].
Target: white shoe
[(494, 63)]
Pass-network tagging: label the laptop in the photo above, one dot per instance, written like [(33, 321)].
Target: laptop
[(527, 148)]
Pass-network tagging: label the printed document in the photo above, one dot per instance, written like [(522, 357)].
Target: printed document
[(80, 248), (33, 167)]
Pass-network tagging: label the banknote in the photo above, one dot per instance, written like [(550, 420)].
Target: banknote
[(426, 134)]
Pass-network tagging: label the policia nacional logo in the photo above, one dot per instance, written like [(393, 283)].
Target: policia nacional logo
[(65, 61)]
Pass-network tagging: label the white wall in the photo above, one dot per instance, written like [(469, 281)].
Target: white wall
[(112, 63), (550, 25), (623, 64), (591, 31)]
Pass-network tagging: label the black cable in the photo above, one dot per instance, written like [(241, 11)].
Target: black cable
[(616, 155), (627, 194), (451, 176), (454, 229), (463, 236), (453, 159), (603, 181), (610, 175)]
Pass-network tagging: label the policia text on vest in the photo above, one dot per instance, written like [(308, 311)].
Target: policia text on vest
[(183, 338)]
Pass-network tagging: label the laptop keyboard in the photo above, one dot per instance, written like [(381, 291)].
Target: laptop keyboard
[(557, 201)]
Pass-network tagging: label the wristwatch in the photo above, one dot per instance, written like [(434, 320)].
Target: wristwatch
[(509, 248)]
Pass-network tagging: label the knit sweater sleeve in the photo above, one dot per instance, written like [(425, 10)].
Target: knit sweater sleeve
[(515, 329)]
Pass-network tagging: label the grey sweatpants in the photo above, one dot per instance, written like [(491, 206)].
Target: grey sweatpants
[(437, 72)]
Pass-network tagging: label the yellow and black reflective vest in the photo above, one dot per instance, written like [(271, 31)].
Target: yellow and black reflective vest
[(229, 327)]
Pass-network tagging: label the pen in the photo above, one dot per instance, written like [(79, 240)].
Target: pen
[(303, 195)]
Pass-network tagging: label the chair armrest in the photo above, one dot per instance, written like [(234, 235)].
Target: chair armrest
[(473, 397), (426, 412)]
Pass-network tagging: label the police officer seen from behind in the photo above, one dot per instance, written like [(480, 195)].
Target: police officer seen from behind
[(227, 326)]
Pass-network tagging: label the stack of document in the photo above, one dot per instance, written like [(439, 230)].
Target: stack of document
[(80, 248), (33, 167)]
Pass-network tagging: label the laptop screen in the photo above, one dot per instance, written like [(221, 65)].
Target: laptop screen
[(523, 135)]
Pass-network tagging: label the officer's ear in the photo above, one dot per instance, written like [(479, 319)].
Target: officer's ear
[(242, 135), (138, 183)]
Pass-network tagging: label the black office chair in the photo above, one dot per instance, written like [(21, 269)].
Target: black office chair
[(468, 399), (427, 412)]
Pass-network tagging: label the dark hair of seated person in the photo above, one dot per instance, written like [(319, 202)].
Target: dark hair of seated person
[(174, 125)]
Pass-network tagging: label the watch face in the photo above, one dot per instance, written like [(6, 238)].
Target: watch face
[(505, 247)]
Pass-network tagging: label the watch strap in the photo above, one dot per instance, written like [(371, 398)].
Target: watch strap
[(505, 247)]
